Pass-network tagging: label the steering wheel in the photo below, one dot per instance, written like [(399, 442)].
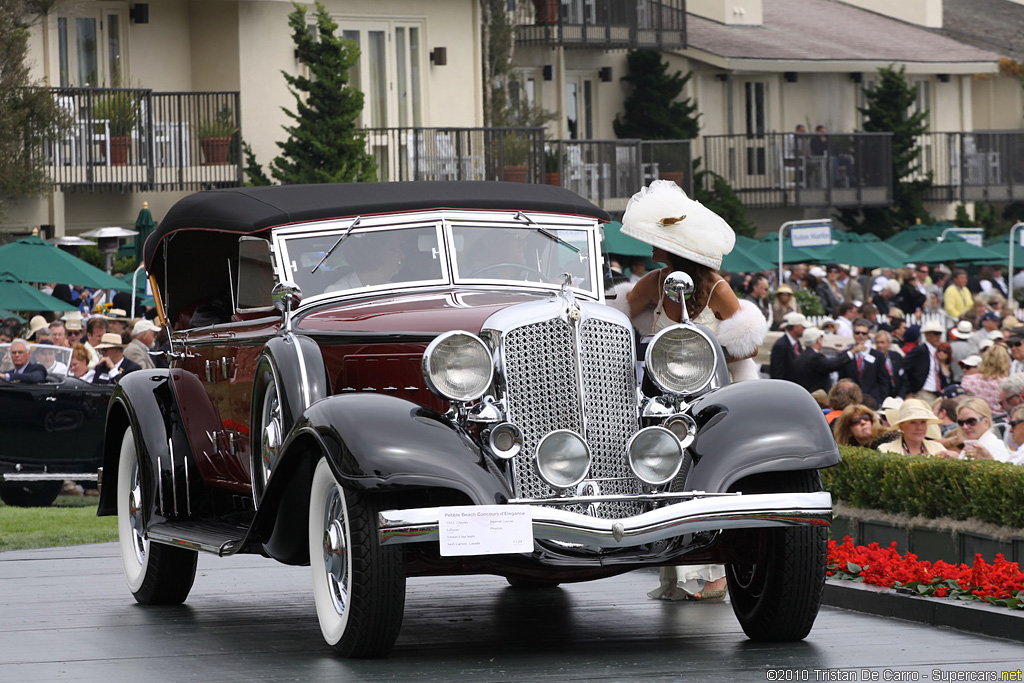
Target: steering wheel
[(522, 267)]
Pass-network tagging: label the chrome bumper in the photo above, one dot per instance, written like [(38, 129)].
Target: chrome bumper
[(700, 514)]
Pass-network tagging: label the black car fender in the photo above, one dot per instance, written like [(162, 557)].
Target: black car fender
[(755, 427), (374, 443), (145, 401)]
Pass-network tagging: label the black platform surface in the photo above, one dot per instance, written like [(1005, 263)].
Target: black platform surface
[(66, 614)]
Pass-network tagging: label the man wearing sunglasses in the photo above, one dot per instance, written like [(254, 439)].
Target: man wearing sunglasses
[(867, 366), (1015, 342), (1017, 432)]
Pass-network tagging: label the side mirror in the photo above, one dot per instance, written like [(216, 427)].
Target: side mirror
[(678, 286), (286, 296)]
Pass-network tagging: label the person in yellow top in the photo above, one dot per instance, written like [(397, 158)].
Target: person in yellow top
[(957, 298)]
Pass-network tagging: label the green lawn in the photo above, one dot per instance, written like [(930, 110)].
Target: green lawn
[(71, 520)]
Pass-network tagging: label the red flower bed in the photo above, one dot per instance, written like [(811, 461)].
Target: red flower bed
[(1000, 583)]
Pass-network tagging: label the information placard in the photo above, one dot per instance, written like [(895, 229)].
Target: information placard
[(485, 530), (811, 235)]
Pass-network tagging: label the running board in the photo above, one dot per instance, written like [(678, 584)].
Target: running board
[(219, 538)]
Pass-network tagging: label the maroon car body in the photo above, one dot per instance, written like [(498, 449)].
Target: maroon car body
[(392, 380)]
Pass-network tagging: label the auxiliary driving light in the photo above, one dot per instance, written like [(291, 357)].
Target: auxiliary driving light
[(655, 455), (506, 440), (563, 458)]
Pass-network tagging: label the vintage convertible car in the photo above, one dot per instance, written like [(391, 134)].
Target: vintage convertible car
[(410, 379), (52, 431)]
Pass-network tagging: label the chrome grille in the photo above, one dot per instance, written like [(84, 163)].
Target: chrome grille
[(543, 394)]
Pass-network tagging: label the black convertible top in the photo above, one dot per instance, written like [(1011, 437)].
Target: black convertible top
[(251, 209)]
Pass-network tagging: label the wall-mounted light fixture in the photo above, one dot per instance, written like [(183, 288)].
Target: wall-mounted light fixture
[(856, 76), (439, 56), (605, 74), (549, 72), (790, 76), (944, 78), (139, 13)]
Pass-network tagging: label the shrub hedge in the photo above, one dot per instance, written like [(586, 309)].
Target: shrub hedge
[(929, 487)]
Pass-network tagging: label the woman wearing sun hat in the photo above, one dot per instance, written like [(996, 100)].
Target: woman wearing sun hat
[(911, 427), (785, 302), (689, 237)]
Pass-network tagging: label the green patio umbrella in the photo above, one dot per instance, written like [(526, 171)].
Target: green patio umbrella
[(35, 260), (140, 290), (952, 248), (144, 225), (744, 260), (617, 243), (858, 250), (911, 234), (5, 314), (18, 296)]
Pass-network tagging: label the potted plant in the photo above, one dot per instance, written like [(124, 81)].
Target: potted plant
[(119, 110), (215, 136), (515, 151), (551, 170)]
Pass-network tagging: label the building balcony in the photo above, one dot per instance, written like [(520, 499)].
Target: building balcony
[(774, 170), (136, 140), (606, 172), (985, 166), (601, 24)]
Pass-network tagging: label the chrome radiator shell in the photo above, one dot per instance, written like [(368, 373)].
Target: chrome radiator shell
[(564, 364)]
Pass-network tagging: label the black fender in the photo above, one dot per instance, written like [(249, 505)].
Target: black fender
[(145, 401), (301, 375), (754, 427), (374, 443)]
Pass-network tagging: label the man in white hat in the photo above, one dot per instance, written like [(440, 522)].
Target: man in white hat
[(143, 335), (962, 344), (787, 348), (922, 366), (113, 365), (36, 324), (812, 369)]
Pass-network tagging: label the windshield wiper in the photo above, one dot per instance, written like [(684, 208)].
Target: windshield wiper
[(520, 216), (340, 240)]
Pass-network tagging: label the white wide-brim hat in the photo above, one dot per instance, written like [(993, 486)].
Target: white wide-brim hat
[(663, 216)]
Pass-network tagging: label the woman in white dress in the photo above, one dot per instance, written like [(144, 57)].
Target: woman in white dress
[(689, 237)]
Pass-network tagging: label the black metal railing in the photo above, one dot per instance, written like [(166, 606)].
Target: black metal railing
[(808, 170), (609, 172), (510, 154), (974, 166), (138, 139), (604, 24)]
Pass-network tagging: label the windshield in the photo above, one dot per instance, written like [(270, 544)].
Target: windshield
[(522, 254), (363, 259), (356, 257)]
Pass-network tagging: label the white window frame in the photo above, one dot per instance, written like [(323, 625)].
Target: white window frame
[(68, 63)]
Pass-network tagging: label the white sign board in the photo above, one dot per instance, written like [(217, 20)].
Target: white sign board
[(811, 235), (485, 530), (975, 238)]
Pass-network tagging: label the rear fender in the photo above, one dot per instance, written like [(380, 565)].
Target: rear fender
[(754, 427)]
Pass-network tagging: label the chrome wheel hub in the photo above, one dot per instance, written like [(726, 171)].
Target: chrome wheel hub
[(135, 516), (272, 434), (335, 552)]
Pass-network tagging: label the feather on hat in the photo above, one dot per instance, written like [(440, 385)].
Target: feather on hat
[(663, 216)]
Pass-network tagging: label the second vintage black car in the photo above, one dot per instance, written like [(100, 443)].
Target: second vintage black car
[(414, 379)]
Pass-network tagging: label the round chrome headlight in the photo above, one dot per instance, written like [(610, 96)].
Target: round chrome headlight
[(655, 454), (458, 366), (563, 458), (681, 360)]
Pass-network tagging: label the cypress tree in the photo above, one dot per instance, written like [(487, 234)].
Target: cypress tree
[(652, 111), (888, 109), (324, 145)]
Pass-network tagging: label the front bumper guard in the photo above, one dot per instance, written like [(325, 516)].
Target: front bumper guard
[(712, 513)]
